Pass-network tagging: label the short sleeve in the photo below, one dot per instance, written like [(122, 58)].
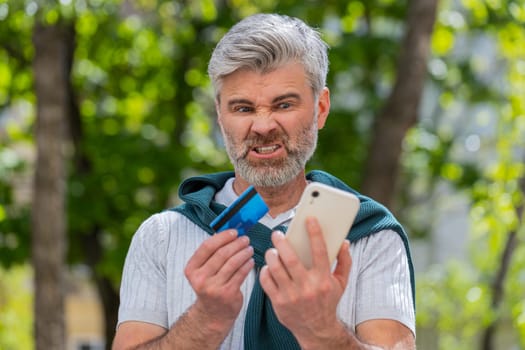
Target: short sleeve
[(384, 287), (143, 286)]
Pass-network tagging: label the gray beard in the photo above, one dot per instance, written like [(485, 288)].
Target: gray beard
[(275, 173), (269, 175)]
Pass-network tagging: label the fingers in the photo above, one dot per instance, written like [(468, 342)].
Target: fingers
[(286, 255), (236, 275), (344, 264), (217, 249), (235, 268), (284, 265), (317, 244), (209, 247), (276, 267), (223, 258), (267, 283)]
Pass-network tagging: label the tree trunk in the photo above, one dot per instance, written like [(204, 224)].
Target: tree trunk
[(401, 108), (51, 78), (108, 294), (498, 290), (110, 301)]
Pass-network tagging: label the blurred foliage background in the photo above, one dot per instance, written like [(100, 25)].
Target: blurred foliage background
[(143, 120)]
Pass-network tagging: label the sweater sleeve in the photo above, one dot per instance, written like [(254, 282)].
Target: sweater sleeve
[(383, 287), (143, 286)]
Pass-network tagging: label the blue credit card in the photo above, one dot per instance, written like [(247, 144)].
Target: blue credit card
[(245, 212)]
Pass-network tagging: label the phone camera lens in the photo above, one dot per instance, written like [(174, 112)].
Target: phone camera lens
[(315, 194)]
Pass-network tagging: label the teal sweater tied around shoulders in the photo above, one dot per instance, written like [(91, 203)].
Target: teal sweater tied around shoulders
[(262, 329)]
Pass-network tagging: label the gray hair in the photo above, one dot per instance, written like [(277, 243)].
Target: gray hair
[(264, 42)]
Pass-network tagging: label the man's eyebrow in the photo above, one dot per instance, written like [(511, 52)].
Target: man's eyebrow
[(242, 101), (292, 95)]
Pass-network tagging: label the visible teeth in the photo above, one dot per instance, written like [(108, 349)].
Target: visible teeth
[(266, 149)]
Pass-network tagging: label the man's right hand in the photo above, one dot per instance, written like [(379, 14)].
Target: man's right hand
[(215, 271)]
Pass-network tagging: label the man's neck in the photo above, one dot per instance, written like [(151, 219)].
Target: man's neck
[(278, 199)]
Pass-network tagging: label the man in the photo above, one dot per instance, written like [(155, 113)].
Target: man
[(185, 287)]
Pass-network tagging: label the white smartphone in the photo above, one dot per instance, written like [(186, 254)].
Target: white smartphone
[(335, 210)]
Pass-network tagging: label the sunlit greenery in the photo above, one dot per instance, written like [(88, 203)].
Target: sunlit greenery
[(16, 308), (147, 119), (456, 298)]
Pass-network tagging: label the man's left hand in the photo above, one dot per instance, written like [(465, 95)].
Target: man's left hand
[(305, 300)]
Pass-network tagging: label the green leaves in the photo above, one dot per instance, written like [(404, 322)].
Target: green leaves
[(146, 119), (15, 308)]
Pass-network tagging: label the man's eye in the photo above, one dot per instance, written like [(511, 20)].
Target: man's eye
[(242, 109), (284, 105)]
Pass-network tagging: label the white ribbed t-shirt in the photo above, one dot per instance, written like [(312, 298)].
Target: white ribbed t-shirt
[(155, 290)]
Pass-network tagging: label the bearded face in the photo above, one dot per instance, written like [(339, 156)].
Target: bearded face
[(269, 122), (276, 171)]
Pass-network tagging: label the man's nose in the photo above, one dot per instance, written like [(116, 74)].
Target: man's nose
[(264, 122)]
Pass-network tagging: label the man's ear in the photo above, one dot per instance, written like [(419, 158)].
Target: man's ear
[(323, 107)]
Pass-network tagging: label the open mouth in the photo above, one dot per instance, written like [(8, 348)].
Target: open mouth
[(266, 149)]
